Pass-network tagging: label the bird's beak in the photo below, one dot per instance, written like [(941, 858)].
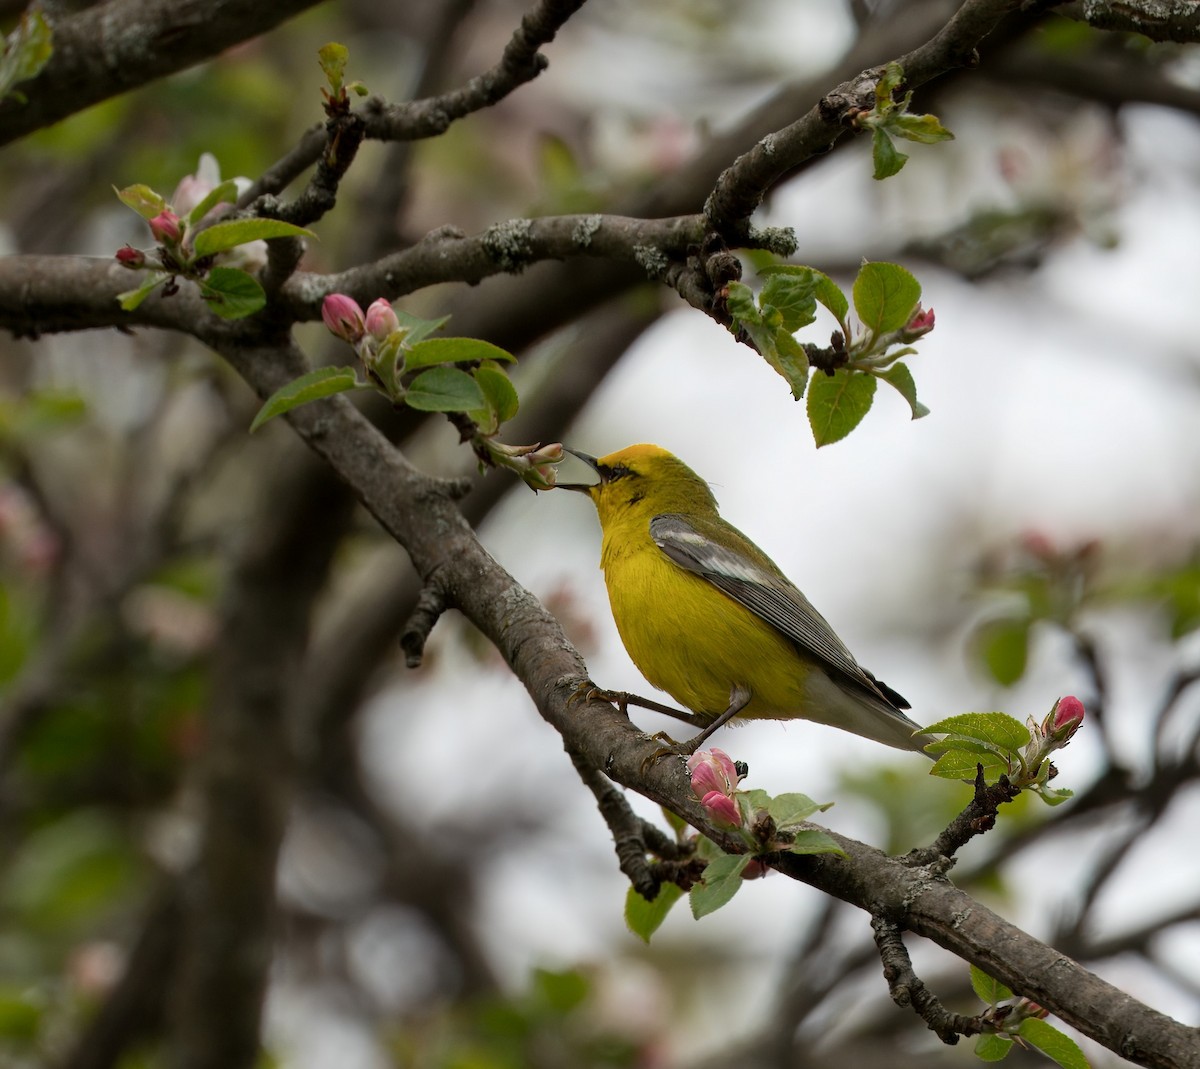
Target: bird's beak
[(591, 462)]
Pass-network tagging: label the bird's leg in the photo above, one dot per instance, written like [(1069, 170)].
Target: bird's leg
[(739, 698), (623, 699)]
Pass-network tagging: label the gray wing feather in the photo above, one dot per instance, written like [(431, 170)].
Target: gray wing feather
[(767, 594)]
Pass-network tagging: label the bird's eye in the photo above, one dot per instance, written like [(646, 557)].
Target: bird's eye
[(619, 471)]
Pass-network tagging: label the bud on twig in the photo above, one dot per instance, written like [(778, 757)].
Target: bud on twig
[(344, 317)]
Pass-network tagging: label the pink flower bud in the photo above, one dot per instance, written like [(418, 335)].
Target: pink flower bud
[(712, 771), (922, 322), (381, 319), (722, 810), (1064, 719), (165, 227), (131, 257), (343, 317)]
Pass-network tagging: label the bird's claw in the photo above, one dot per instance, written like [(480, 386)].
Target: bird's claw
[(588, 691), (671, 749)]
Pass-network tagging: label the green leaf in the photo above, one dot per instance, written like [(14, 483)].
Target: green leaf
[(924, 129), (814, 841), (232, 293), (885, 88), (130, 299), (992, 1048), (901, 378), (830, 294), (416, 329), (225, 193), (826, 291), (792, 296), (721, 880), (885, 296), (792, 808), (790, 361), (444, 389), (222, 236), (21, 1012), (142, 199), (333, 58), (773, 341), (963, 765), (644, 918), (888, 159), (999, 729), (837, 403), (1053, 796), (991, 991), (1003, 646), (1053, 1043), (560, 992), (501, 396), (453, 351), (26, 51), (322, 382)]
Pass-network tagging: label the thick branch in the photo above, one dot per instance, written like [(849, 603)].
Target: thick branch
[(427, 524), (120, 45)]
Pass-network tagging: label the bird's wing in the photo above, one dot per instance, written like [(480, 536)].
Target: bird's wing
[(764, 591)]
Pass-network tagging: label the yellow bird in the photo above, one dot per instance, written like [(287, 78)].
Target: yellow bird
[(708, 617)]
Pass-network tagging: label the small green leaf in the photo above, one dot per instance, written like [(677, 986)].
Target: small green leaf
[(321, 382), (721, 880), (644, 918), (826, 291), (26, 51), (814, 841), (793, 296), (889, 160), (924, 129), (222, 236), (792, 808), (999, 729), (130, 299), (837, 403), (901, 378), (1053, 1043), (791, 361), (333, 58), (453, 351), (992, 1048), (417, 329), (885, 296), (560, 991), (962, 765), (1053, 796), (501, 395), (142, 199), (885, 88), (225, 193), (991, 991), (444, 389), (232, 293), (1003, 645)]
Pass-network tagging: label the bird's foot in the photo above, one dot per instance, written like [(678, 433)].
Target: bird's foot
[(588, 691), (671, 749)]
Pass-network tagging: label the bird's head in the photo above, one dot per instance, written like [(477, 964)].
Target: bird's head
[(645, 478)]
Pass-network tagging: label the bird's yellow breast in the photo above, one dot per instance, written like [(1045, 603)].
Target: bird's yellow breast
[(692, 641)]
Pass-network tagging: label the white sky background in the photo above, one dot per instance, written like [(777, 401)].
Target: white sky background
[(1066, 400)]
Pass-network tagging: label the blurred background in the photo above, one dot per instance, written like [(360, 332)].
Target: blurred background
[(445, 893)]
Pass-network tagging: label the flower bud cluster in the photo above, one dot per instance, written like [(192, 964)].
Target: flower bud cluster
[(714, 781)]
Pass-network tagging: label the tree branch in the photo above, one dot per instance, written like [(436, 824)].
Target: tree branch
[(122, 44)]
